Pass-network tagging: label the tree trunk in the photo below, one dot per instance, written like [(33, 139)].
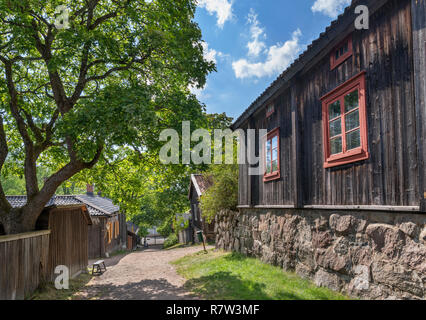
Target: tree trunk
[(20, 220)]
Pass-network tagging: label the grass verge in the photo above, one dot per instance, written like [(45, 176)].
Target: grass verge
[(221, 275), (49, 292)]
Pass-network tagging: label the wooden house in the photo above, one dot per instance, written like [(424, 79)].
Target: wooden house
[(68, 241), (341, 196), (198, 185), (346, 121), (108, 231)]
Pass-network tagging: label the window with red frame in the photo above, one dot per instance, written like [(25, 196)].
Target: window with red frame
[(345, 124), (272, 155), (341, 53)]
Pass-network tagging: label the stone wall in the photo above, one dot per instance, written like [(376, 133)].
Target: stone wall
[(371, 255)]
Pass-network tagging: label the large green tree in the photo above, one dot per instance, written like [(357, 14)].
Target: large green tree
[(70, 96)]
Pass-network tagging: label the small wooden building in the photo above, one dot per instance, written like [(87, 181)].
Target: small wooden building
[(108, 233), (68, 242), (198, 185)]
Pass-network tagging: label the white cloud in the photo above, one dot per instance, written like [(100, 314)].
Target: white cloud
[(222, 9), (256, 45), (330, 8), (212, 54), (209, 54), (278, 58), (199, 93)]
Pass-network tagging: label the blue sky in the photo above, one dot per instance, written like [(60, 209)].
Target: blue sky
[(252, 42)]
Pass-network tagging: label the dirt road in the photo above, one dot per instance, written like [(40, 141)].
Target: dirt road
[(141, 275)]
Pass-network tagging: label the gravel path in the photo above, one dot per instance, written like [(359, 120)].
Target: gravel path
[(141, 275)]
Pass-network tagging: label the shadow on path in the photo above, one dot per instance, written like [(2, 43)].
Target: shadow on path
[(147, 289)]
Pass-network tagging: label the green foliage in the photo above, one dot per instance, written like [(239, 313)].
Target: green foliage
[(232, 276), (166, 229), (105, 86), (223, 194), (143, 231), (171, 240), (179, 224)]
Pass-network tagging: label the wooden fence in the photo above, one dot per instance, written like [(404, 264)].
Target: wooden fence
[(23, 263)]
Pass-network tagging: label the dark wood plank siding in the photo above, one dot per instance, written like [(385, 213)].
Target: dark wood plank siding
[(26, 265), (391, 174), (276, 192), (95, 239), (68, 243), (243, 190), (419, 57)]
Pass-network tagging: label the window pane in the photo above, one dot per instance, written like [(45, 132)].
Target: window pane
[(274, 142), (268, 156), (268, 167), (351, 101), (335, 127), (274, 165), (336, 145), (352, 120), (353, 139), (334, 110), (274, 154)]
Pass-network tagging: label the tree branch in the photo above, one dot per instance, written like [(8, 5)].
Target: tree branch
[(30, 169), (4, 204)]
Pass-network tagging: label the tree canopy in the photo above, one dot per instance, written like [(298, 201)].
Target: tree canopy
[(103, 87)]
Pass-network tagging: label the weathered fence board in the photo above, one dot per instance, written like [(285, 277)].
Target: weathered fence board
[(23, 263)]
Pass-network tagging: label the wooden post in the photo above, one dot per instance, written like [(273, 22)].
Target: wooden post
[(296, 150), (418, 16)]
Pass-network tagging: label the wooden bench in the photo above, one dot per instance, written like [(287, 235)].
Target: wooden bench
[(98, 266)]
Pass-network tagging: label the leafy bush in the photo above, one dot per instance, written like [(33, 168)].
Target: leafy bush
[(143, 231), (166, 228), (171, 240), (223, 194)]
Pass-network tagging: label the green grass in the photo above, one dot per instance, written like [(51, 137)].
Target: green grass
[(221, 275), (119, 252), (183, 245), (49, 292)]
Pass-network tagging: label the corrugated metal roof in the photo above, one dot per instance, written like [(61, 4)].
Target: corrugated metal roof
[(97, 206)]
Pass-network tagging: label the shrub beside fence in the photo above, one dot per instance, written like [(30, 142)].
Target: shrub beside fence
[(23, 263)]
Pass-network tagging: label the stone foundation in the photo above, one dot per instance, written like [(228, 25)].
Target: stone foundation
[(370, 255)]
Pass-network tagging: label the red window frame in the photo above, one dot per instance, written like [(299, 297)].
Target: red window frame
[(338, 94), (272, 175), (336, 61)]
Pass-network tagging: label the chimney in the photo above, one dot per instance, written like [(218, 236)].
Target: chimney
[(89, 189)]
